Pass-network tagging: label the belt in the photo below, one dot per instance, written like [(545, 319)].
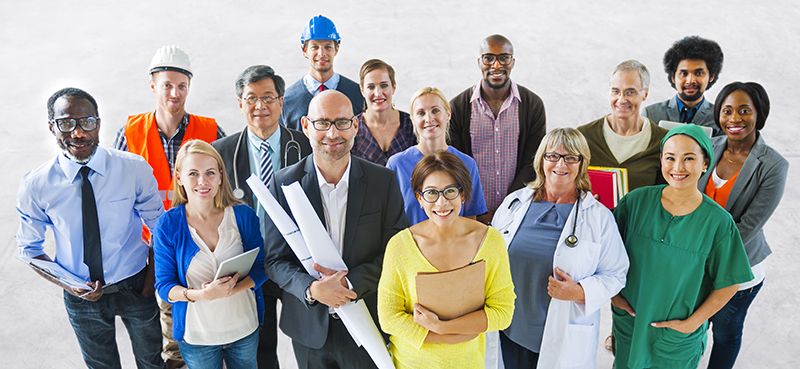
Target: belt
[(131, 283)]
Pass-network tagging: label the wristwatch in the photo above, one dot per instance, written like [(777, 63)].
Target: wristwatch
[(307, 296)]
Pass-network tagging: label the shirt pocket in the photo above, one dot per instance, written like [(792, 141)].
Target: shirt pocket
[(118, 213), (577, 345)]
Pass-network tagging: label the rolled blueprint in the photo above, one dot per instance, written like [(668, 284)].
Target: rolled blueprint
[(320, 249), (284, 224)]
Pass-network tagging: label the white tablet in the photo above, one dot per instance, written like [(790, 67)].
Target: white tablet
[(238, 264)]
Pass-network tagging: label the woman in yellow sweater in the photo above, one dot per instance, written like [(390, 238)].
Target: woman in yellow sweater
[(443, 242)]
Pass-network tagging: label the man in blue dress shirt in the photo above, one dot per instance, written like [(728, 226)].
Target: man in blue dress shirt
[(125, 195)]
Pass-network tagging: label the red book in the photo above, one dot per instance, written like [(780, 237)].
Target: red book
[(604, 184)]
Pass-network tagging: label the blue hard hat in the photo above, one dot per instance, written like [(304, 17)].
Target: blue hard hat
[(320, 28)]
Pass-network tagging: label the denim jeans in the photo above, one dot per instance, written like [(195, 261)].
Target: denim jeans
[(727, 325), (239, 354), (93, 323)]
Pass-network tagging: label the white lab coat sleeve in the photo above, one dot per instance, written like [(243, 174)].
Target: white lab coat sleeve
[(612, 266)]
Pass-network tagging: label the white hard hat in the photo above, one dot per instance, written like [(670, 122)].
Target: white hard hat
[(171, 58)]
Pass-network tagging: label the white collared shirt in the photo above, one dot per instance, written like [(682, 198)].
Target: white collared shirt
[(312, 85), (334, 205)]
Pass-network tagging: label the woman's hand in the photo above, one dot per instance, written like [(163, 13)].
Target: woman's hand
[(566, 289), (426, 318), (621, 303), (682, 326), (219, 288)]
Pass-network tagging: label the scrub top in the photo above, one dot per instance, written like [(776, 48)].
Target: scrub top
[(676, 261)]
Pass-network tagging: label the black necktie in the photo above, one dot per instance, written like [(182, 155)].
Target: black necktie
[(92, 255)]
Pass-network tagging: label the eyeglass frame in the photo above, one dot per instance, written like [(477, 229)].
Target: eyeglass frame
[(75, 123), (331, 124), (496, 57), (268, 100), (440, 193), (634, 91), (544, 156)]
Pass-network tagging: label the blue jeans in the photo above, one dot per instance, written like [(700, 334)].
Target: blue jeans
[(239, 354), (93, 323), (727, 325)]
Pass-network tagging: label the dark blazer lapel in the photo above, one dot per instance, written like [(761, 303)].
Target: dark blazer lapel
[(311, 186), (747, 173), (703, 113), (355, 199), (243, 167), (673, 112)]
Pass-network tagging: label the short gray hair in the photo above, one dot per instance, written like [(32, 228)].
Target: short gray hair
[(634, 66)]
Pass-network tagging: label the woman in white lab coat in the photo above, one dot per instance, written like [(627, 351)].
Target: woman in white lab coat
[(567, 259)]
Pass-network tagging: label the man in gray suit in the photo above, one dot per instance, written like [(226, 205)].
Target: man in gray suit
[(265, 141), (692, 65), (361, 206)]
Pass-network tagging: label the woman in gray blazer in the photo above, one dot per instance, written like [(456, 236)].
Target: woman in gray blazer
[(747, 179)]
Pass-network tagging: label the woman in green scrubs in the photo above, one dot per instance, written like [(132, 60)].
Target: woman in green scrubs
[(686, 260)]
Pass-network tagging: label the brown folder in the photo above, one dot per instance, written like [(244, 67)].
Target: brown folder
[(453, 293)]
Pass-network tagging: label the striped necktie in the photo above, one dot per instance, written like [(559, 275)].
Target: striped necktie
[(266, 163)]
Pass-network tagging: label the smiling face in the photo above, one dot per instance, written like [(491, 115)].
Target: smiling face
[(496, 75), (442, 212), (333, 144), (626, 83), (77, 145), (171, 89), (560, 175), (378, 90), (200, 177), (691, 79), (262, 118), (429, 117), (320, 54), (737, 116), (682, 162)]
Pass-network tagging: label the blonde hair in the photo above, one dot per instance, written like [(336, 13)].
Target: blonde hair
[(573, 142), (224, 196), (430, 91)]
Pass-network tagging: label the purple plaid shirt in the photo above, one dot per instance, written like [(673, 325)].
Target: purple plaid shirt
[(366, 147), (494, 144)]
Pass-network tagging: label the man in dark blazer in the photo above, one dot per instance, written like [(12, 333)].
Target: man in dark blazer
[(361, 207), (260, 93)]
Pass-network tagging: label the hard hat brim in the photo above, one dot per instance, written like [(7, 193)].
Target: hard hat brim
[(174, 69)]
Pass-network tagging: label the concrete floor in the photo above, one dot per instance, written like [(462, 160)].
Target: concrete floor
[(565, 52)]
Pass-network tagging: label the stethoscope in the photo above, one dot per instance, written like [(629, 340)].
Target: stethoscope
[(238, 192), (571, 240)]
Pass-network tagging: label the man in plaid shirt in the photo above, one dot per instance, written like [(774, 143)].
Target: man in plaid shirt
[(157, 136), (499, 123)]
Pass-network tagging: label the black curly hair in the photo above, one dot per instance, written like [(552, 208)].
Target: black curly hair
[(694, 47)]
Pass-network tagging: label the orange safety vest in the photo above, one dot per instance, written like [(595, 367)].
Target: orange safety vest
[(141, 134)]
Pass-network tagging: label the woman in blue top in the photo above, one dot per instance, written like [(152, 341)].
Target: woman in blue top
[(213, 320), (430, 113)]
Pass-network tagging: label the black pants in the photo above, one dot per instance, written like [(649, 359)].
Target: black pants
[(268, 332), (339, 351), (516, 356)]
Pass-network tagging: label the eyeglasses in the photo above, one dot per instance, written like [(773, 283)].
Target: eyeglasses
[(449, 193), (324, 125), (252, 100), (629, 93), (488, 59), (68, 124), (569, 158)]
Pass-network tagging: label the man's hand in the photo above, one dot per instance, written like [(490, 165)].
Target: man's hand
[(331, 290), (91, 294)]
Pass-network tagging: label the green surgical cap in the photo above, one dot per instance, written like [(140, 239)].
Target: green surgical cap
[(697, 134)]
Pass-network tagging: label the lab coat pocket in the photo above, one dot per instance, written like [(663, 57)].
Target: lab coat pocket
[(577, 345), (579, 261)]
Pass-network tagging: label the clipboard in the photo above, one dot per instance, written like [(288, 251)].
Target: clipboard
[(238, 264), (453, 293)]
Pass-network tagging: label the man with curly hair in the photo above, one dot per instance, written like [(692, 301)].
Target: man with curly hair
[(692, 65)]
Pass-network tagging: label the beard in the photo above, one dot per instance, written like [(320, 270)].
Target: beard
[(497, 87), (332, 154), (693, 97), (65, 144)]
